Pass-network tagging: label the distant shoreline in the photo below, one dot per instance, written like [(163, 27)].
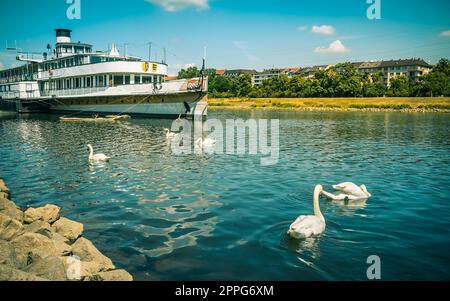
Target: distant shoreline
[(388, 104)]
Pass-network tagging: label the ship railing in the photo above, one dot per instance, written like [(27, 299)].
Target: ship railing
[(20, 94), (74, 92)]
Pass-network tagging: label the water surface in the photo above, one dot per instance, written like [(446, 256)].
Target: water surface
[(224, 217)]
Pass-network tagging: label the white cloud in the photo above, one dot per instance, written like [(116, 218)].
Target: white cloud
[(335, 47), (177, 5), (189, 65), (324, 29), (302, 28), (243, 47), (445, 33)]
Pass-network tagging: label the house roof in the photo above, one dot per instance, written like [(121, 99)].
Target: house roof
[(394, 63), (239, 71)]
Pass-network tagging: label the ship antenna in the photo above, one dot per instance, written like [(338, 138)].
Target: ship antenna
[(203, 72)]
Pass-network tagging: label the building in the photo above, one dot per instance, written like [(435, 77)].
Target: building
[(260, 77), (235, 72), (410, 68), (309, 72)]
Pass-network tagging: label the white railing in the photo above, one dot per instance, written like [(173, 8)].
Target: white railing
[(20, 94), (72, 92)]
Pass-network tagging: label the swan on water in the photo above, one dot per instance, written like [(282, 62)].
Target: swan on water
[(96, 157), (311, 225), (170, 135), (208, 142), (348, 192)]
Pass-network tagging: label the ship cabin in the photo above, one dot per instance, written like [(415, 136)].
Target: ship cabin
[(74, 69)]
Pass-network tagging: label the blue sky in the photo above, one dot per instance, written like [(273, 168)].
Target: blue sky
[(238, 34)]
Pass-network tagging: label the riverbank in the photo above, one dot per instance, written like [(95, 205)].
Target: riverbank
[(401, 104), (38, 244)]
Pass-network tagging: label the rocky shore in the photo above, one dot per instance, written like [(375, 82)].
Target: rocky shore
[(39, 245)]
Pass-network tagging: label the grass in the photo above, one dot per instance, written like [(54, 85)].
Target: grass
[(388, 103)]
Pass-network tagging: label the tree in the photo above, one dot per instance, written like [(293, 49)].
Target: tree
[(399, 87), (189, 73), (437, 82)]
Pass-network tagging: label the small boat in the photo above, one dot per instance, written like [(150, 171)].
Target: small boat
[(108, 118)]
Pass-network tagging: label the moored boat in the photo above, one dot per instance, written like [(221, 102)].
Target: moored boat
[(74, 79)]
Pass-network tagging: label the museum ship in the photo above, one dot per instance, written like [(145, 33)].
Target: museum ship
[(72, 79)]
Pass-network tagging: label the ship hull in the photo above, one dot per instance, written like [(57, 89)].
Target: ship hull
[(188, 105)]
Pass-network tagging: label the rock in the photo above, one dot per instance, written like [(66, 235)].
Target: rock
[(33, 246), (10, 209), (59, 238), (40, 227), (92, 260), (7, 254), (48, 213), (68, 228), (3, 187), (8, 273), (51, 267), (116, 275), (9, 227), (4, 195)]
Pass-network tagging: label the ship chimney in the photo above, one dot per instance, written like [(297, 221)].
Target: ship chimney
[(63, 35)]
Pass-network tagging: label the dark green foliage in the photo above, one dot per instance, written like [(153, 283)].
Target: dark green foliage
[(342, 80)]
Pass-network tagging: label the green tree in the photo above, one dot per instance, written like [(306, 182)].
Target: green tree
[(189, 73), (437, 82), (399, 87)]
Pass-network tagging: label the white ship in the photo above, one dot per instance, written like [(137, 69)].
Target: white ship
[(72, 79)]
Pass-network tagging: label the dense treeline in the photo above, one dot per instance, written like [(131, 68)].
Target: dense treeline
[(342, 80)]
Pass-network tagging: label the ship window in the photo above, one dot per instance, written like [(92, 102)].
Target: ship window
[(101, 81), (137, 80), (146, 79), (118, 80), (127, 79), (88, 82)]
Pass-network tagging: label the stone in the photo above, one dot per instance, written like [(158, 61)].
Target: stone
[(10, 209), (40, 227), (48, 213), (7, 254), (8, 273), (30, 247), (51, 267), (3, 187), (9, 227), (92, 260), (4, 195), (116, 275), (69, 229)]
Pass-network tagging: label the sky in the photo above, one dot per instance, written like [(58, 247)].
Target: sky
[(252, 34)]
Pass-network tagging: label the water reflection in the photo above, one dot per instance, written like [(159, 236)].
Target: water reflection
[(221, 217)]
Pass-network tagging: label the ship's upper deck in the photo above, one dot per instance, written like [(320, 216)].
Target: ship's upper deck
[(70, 59)]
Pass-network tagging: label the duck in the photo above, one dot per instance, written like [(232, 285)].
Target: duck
[(348, 191), (309, 225), (96, 157)]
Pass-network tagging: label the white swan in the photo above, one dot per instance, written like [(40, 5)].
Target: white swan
[(170, 135), (96, 157), (348, 192), (208, 142), (307, 226)]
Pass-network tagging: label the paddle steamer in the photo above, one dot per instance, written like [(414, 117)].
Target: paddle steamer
[(72, 79)]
